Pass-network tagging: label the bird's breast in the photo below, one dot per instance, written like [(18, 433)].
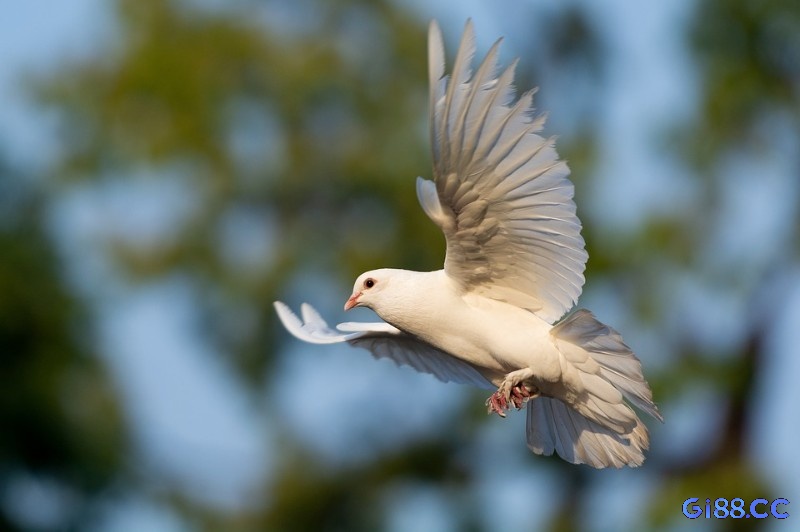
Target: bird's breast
[(484, 332)]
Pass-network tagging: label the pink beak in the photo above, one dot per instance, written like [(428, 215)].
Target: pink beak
[(353, 301)]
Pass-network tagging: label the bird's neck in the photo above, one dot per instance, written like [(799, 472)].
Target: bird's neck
[(414, 298)]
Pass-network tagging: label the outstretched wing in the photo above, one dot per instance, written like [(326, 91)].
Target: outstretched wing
[(383, 341), (501, 196)]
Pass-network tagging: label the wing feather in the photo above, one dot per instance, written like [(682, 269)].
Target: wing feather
[(383, 341), (500, 193)]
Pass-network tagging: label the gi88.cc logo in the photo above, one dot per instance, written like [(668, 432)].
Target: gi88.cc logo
[(735, 508)]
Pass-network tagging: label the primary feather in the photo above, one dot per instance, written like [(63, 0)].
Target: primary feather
[(514, 266), (503, 199)]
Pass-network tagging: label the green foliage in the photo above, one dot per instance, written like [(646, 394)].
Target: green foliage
[(60, 423), (318, 134), (749, 54)]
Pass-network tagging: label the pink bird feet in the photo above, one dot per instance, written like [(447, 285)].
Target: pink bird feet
[(515, 396)]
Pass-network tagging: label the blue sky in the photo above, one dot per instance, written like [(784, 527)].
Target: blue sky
[(195, 428)]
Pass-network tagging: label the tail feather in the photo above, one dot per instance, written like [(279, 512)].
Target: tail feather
[(618, 365), (592, 424), (555, 427)]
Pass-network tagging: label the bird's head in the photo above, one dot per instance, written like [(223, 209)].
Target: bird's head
[(369, 289)]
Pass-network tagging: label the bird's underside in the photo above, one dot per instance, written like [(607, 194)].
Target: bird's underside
[(592, 424), (496, 315)]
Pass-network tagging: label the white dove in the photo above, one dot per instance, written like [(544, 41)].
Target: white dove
[(514, 266)]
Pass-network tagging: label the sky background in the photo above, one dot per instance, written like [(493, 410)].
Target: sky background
[(196, 430)]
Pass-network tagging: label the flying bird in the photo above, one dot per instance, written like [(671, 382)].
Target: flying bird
[(494, 316)]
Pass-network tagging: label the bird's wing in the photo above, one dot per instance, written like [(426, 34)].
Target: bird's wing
[(501, 196), (383, 341)]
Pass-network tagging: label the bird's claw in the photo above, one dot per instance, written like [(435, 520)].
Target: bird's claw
[(520, 395), (505, 397), (497, 404)]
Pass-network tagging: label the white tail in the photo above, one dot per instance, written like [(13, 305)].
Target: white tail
[(596, 427)]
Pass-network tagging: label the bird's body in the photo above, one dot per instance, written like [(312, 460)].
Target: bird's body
[(466, 325), (495, 315)]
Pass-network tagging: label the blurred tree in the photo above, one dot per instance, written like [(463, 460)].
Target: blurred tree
[(308, 133), (62, 439), (313, 127), (748, 58), (311, 132)]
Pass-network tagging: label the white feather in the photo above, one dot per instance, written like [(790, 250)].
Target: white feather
[(486, 151), (383, 341), (514, 266)]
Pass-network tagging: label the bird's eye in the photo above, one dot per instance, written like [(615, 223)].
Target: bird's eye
[(369, 283)]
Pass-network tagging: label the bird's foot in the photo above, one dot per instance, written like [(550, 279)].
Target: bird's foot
[(507, 396)]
